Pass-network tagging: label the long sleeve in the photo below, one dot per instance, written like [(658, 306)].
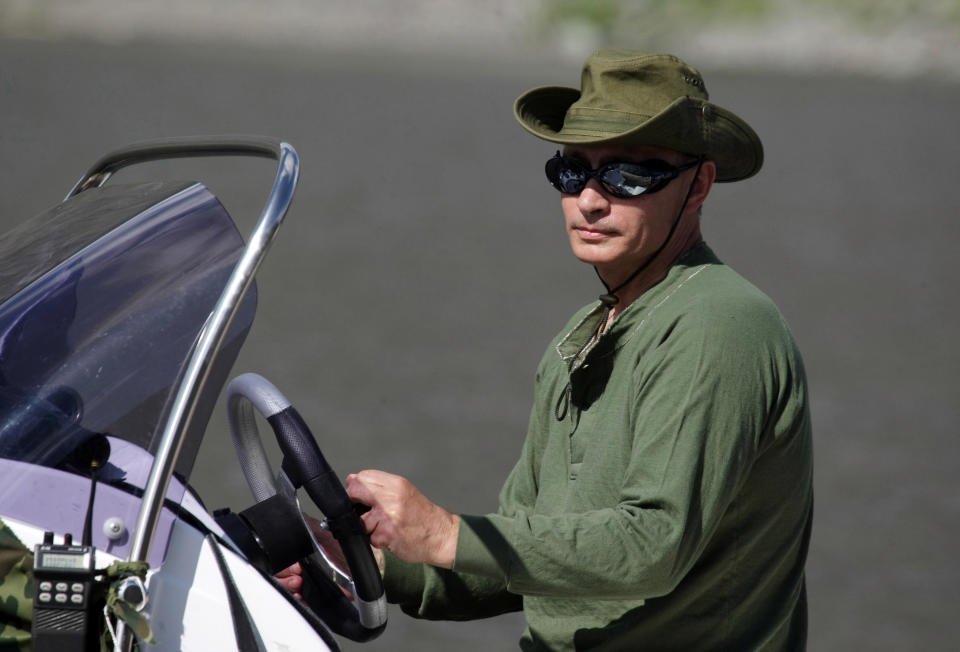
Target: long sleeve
[(425, 591)]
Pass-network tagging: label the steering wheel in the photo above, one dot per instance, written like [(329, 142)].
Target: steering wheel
[(304, 466)]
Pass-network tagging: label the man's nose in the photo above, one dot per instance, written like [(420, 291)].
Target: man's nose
[(592, 199)]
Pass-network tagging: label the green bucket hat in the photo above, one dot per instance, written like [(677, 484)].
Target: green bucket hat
[(631, 97)]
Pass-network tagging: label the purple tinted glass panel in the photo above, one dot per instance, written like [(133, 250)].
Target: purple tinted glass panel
[(110, 290)]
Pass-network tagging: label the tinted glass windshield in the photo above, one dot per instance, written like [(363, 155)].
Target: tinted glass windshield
[(103, 298)]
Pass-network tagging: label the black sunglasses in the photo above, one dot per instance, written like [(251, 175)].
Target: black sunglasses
[(626, 180)]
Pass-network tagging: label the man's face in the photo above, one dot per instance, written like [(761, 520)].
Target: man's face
[(618, 235)]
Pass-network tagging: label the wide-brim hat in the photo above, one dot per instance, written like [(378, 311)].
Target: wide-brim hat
[(630, 97)]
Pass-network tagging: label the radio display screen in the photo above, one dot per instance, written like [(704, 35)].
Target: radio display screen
[(58, 560)]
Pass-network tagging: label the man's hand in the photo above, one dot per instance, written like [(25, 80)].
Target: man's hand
[(403, 521), (292, 577)]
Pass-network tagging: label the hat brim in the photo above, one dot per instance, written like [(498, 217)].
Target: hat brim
[(719, 134)]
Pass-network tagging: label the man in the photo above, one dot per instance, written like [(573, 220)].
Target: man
[(663, 495)]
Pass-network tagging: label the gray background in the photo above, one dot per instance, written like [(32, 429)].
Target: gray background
[(424, 267)]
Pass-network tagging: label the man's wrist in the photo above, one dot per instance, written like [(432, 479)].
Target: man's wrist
[(449, 534)]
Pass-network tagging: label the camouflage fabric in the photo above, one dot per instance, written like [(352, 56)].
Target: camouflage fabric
[(16, 592), (136, 621)]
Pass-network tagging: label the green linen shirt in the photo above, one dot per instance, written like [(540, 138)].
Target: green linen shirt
[(670, 507)]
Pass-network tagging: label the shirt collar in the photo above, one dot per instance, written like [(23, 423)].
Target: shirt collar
[(626, 322)]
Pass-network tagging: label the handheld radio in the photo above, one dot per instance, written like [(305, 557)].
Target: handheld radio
[(63, 577)]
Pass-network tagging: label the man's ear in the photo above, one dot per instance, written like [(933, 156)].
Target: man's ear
[(701, 186)]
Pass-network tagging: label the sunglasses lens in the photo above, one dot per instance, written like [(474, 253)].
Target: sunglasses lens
[(631, 180), (566, 175)]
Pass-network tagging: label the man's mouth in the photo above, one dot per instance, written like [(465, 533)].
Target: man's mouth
[(592, 232)]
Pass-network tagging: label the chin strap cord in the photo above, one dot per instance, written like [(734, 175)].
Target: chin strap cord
[(609, 299)]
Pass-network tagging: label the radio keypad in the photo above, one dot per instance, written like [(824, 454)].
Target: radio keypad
[(61, 593)]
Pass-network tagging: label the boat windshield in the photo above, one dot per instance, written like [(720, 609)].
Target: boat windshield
[(101, 301)]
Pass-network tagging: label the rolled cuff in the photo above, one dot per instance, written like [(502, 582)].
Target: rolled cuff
[(402, 581), (483, 546)]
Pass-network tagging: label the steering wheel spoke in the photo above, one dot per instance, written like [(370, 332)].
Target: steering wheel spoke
[(304, 466)]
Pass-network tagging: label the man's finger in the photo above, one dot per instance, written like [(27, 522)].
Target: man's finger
[(290, 571), (358, 492), (370, 520), (293, 583)]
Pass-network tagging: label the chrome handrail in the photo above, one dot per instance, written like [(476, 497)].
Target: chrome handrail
[(167, 148), (218, 322)]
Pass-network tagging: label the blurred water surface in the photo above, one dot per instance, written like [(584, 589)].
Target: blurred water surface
[(423, 268)]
